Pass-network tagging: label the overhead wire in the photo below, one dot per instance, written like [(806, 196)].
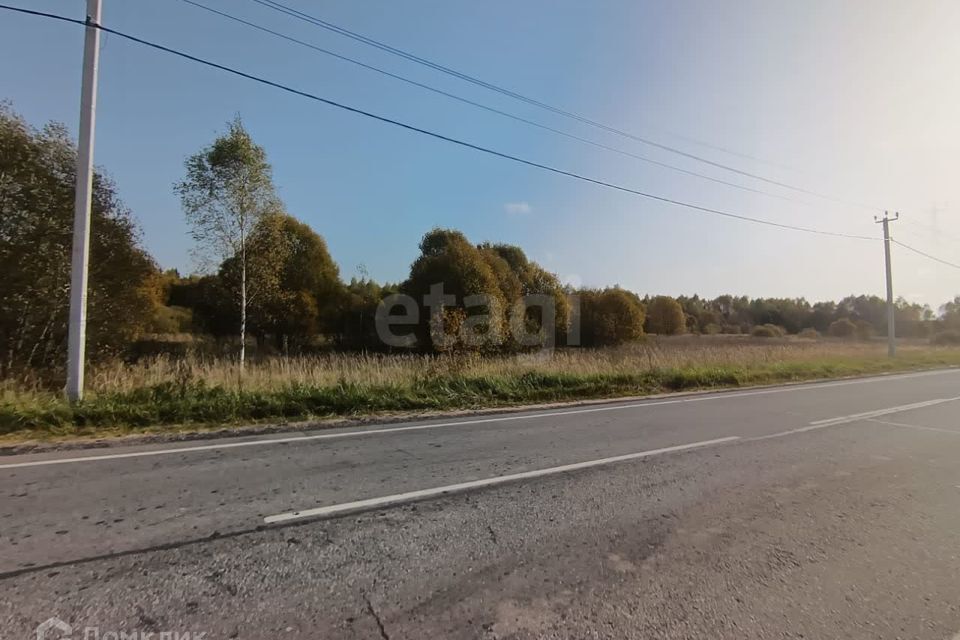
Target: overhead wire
[(433, 134), (329, 26), (488, 108), (462, 143), (925, 254)]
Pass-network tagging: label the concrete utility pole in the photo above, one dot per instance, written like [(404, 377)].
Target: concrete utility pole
[(891, 328), (76, 341)]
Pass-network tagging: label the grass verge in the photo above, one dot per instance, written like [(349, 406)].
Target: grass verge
[(194, 404)]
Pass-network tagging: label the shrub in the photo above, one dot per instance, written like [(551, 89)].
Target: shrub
[(712, 329), (809, 334), (448, 258), (665, 316), (948, 337), (842, 328), (767, 331), (610, 317), (167, 320)]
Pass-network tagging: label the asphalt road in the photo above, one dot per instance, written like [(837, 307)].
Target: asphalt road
[(819, 511)]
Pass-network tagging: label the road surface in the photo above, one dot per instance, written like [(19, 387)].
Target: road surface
[(824, 510)]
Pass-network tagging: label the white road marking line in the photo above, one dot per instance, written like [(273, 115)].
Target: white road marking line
[(329, 436), (400, 498), (855, 417), (790, 432), (915, 426), (869, 415), (502, 418)]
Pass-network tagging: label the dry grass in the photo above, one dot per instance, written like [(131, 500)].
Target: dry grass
[(381, 370), (168, 391)]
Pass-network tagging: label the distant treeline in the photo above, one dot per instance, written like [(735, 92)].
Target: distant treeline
[(610, 316), (294, 298)]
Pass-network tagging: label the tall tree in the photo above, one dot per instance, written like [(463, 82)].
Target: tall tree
[(665, 316), (37, 169), (533, 280), (228, 189), (298, 287), (448, 258), (355, 320), (610, 317)]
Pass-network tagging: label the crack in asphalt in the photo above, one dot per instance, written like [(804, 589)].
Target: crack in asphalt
[(373, 612)]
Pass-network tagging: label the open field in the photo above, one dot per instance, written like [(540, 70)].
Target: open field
[(164, 394)]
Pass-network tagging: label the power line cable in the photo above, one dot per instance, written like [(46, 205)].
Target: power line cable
[(277, 6), (728, 150), (433, 134), (933, 230), (488, 108), (925, 254)]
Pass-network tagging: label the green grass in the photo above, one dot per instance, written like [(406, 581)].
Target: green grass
[(193, 404)]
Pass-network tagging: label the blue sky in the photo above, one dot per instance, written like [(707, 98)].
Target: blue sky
[(857, 99)]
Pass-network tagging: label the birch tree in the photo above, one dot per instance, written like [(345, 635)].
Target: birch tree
[(227, 190)]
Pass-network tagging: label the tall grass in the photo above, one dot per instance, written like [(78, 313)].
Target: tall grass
[(197, 390), (380, 369)]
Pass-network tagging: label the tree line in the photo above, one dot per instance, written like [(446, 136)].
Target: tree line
[(270, 278)]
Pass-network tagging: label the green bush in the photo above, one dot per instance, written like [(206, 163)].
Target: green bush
[(767, 331), (809, 333)]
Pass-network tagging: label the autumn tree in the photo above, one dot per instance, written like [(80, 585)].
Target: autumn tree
[(37, 169), (299, 285), (227, 190), (447, 258), (609, 317), (522, 277), (499, 298), (665, 316)]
